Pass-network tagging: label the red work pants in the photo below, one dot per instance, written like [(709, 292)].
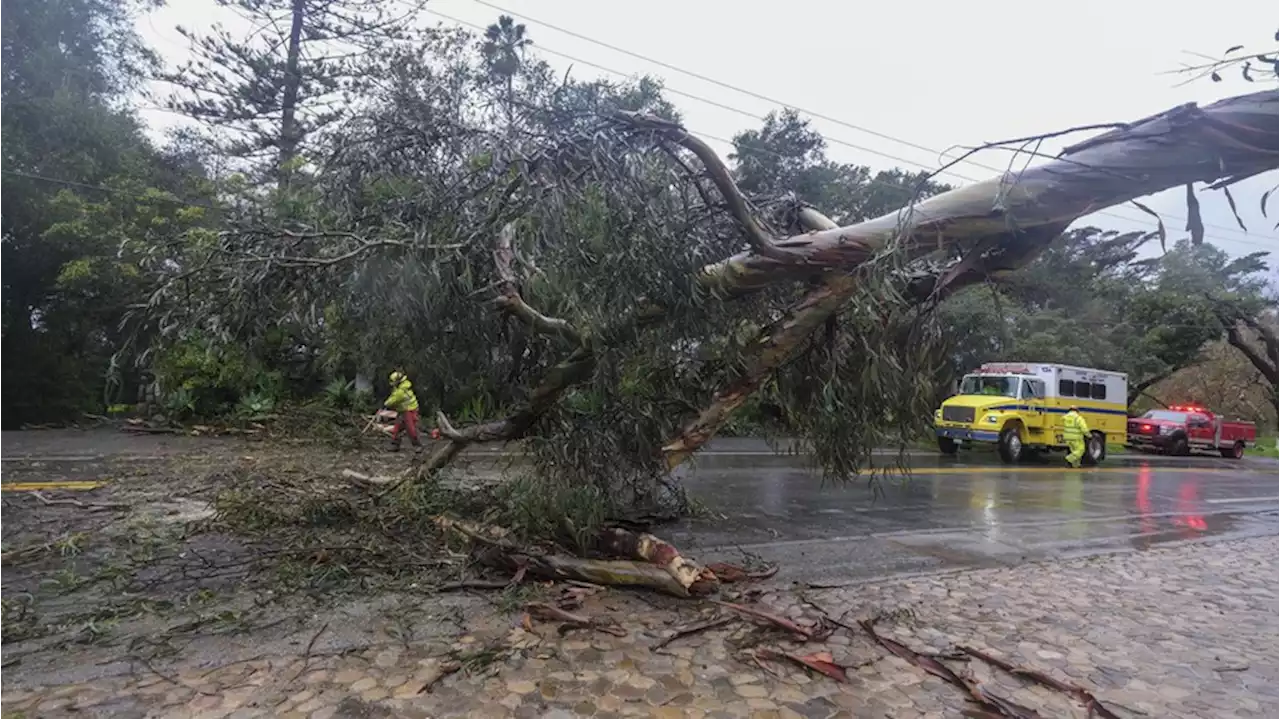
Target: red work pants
[(408, 421)]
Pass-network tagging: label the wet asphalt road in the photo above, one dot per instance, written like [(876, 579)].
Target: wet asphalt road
[(951, 513), (969, 511)]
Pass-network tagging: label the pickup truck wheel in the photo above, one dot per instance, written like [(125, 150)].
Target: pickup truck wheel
[(1178, 447), (1010, 445), (946, 445), (1095, 449), (1235, 452)]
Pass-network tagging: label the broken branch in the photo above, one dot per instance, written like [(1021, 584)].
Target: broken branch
[(760, 240), (622, 543), (507, 556), (576, 368), (550, 612), (509, 298), (77, 503)]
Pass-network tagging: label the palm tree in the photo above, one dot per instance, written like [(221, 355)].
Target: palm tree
[(503, 51)]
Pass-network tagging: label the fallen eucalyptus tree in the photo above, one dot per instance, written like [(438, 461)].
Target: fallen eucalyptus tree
[(579, 281)]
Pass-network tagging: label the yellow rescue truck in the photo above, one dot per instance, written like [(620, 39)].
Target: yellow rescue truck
[(1019, 406)]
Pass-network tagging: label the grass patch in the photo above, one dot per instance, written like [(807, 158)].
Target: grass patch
[(1265, 447)]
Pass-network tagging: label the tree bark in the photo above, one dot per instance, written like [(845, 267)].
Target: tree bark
[(289, 139), (1007, 219)]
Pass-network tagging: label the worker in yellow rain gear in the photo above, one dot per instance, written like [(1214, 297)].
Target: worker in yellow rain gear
[(405, 403), (1074, 431)]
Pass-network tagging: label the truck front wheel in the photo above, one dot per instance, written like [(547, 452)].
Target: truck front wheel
[(1179, 447), (1095, 449), (946, 445), (1011, 445)]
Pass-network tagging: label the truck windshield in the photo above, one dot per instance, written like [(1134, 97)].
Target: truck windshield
[(1166, 415), (989, 385)]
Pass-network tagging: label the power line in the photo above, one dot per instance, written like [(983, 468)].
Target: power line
[(761, 118), (173, 200), (775, 101), (871, 181)]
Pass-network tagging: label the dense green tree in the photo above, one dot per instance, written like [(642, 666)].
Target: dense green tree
[(84, 224), (786, 156), (1091, 300)]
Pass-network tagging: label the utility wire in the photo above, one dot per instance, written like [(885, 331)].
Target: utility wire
[(775, 101), (836, 140), (169, 199), (870, 181)]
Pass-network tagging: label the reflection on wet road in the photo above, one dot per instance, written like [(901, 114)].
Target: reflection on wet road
[(960, 513)]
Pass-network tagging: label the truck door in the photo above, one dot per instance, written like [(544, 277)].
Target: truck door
[(1200, 432), (1033, 396)]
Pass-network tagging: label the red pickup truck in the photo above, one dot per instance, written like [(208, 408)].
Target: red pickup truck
[(1186, 429)]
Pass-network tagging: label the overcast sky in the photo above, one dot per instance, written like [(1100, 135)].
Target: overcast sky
[(902, 81)]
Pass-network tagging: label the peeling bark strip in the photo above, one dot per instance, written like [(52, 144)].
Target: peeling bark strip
[(821, 662), (686, 631), (1085, 697), (769, 618), (1017, 214), (977, 693)]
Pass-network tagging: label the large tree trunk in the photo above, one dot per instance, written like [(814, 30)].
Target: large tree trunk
[(997, 221), (1233, 138), (289, 135)]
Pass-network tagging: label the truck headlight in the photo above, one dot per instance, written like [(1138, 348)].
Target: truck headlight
[(992, 419)]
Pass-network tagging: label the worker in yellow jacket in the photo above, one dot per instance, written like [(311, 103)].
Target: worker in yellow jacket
[(1075, 431), (405, 403)]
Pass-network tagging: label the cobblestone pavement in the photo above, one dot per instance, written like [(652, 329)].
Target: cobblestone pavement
[(1186, 631)]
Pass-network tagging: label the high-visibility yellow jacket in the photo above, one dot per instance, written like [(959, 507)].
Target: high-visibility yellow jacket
[(402, 398), (1074, 428)]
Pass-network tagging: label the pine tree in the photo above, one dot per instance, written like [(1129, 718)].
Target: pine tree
[(293, 74)]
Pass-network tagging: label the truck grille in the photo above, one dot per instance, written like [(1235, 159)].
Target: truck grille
[(958, 414)]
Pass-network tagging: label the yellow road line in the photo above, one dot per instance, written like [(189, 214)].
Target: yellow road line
[(1057, 470), (38, 486)]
